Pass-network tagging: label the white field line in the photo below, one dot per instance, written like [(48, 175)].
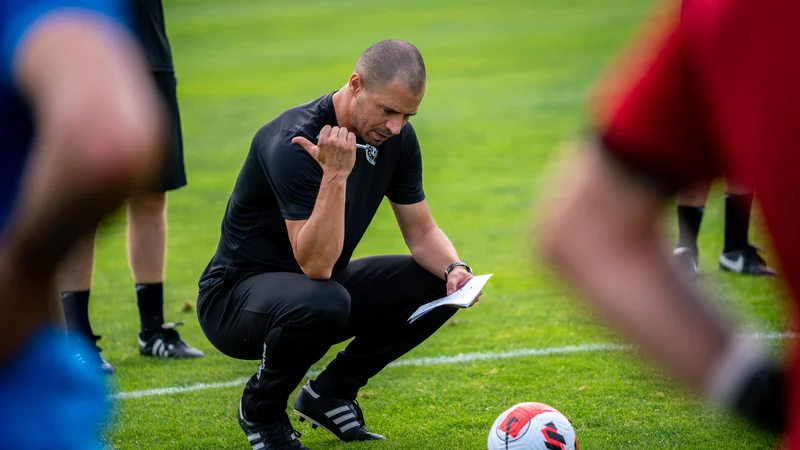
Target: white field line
[(434, 361)]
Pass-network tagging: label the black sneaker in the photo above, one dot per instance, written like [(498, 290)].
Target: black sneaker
[(167, 343), (686, 262), (271, 436), (341, 418), (746, 261), (94, 357)]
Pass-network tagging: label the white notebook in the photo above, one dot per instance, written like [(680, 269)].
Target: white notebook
[(462, 298)]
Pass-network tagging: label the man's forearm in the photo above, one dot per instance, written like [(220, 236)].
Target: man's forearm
[(644, 300), (434, 251), (56, 210), (320, 241), (604, 237), (98, 134)]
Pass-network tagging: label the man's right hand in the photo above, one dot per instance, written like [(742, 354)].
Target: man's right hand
[(335, 151)]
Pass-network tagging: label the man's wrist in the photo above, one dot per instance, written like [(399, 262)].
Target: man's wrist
[(334, 177), (456, 265), (745, 381), (740, 358)]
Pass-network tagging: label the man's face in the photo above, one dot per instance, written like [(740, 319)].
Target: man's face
[(381, 113)]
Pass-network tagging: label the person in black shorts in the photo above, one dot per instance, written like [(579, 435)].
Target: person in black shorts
[(281, 286), (147, 221)]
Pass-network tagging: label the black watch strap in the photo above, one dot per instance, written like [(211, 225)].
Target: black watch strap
[(453, 266)]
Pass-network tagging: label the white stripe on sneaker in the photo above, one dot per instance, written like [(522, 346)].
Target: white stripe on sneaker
[(258, 446), (344, 418), (253, 437), (348, 426), (338, 410)]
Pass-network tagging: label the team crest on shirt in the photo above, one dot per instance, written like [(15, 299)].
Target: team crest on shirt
[(371, 154)]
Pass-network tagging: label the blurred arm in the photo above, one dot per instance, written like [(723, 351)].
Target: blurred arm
[(603, 236), (98, 132), (97, 136)]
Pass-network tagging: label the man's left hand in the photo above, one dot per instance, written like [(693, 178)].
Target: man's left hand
[(457, 279)]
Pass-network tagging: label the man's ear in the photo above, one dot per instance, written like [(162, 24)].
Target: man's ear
[(356, 84)]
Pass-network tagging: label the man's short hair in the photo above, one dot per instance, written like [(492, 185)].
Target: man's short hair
[(386, 60)]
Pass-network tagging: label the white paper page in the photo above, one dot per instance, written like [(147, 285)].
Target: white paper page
[(462, 298)]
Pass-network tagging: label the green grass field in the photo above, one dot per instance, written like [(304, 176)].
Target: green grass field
[(507, 80)]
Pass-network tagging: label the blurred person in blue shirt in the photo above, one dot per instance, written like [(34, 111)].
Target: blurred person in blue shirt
[(80, 128)]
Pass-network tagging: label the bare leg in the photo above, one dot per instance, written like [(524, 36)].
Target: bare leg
[(147, 239), (732, 187), (147, 236), (694, 196), (75, 273)]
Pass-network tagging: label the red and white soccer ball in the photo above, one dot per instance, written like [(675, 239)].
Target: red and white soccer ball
[(532, 426)]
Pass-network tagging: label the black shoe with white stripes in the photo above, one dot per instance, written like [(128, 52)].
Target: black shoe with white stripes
[(270, 436), (341, 418), (167, 343)]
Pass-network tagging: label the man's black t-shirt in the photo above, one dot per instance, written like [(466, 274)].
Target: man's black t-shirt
[(149, 20), (280, 180)]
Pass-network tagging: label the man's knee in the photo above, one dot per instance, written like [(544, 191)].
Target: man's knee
[(326, 306), (320, 314)]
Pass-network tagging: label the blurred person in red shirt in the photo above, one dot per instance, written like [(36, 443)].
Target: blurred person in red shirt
[(714, 91)]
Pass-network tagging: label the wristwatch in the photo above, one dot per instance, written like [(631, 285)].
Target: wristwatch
[(453, 266)]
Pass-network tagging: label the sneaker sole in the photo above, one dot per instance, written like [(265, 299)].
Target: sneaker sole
[(316, 424), (759, 274), (151, 355)]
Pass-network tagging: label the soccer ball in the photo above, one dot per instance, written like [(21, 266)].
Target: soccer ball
[(532, 426)]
